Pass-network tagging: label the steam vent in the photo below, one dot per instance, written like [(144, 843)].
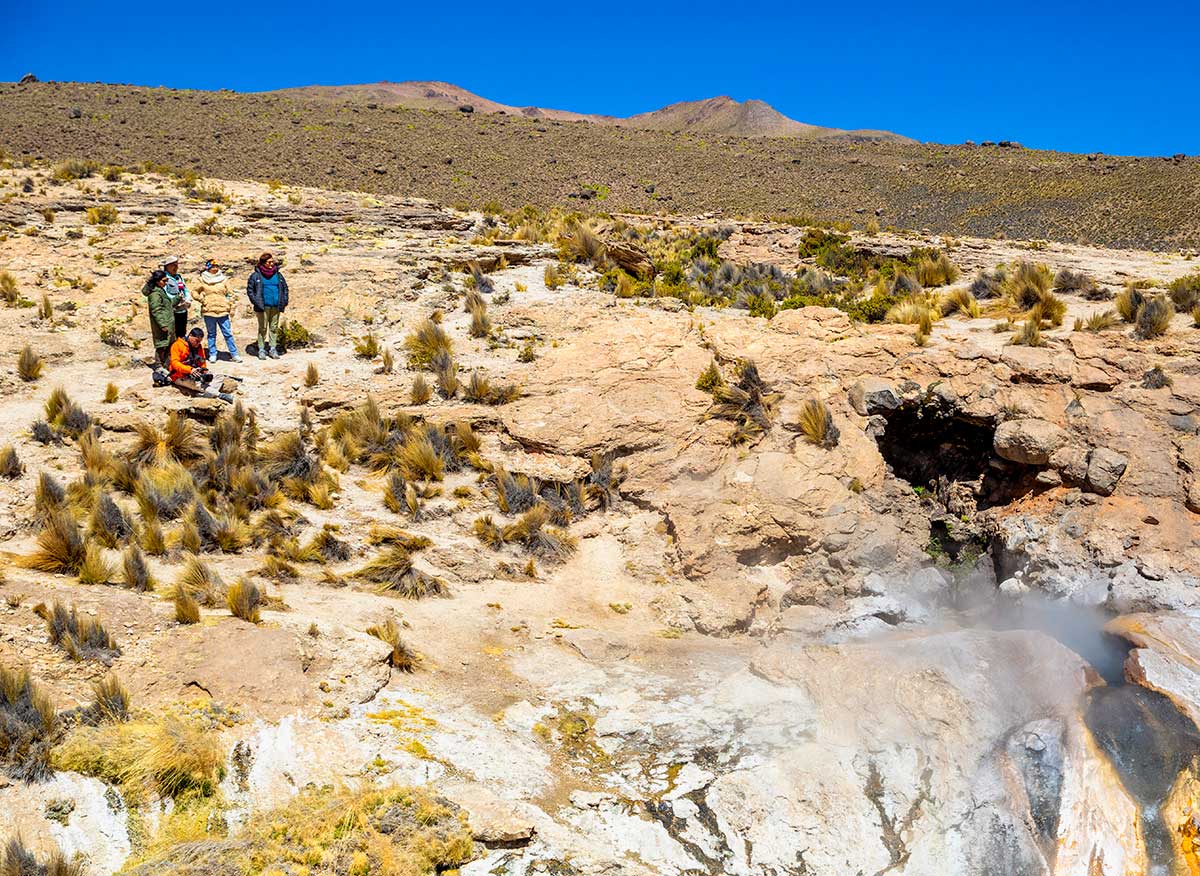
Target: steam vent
[(602, 539)]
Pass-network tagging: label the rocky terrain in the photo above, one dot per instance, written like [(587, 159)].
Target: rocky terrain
[(901, 596), (477, 159)]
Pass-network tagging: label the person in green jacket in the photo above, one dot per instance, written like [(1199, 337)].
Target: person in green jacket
[(162, 316)]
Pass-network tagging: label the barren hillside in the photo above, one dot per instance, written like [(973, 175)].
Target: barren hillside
[(477, 159)]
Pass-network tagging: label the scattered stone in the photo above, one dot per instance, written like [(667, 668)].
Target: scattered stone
[(873, 395), (1105, 468)]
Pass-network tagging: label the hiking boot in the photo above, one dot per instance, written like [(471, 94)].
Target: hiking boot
[(235, 358), (262, 354), (272, 353)]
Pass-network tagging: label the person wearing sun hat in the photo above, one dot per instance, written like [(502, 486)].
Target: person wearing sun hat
[(177, 292), (216, 306)]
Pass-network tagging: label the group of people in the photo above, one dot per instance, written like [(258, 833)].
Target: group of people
[(183, 353)]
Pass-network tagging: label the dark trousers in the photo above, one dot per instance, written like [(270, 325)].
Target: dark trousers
[(181, 323), (163, 356)]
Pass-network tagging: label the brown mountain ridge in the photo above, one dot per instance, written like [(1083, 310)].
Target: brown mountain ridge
[(717, 116)]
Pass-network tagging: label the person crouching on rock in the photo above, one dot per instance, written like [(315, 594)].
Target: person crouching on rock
[(177, 291), (188, 362), (216, 306), (162, 317), (268, 292)]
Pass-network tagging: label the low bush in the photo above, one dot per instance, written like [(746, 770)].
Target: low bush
[(392, 572), (1068, 282), (292, 335), (1029, 335), (367, 347), (1128, 302)]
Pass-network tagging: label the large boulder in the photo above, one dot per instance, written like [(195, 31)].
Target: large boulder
[(1030, 442), (874, 395), (1105, 468), (631, 258)]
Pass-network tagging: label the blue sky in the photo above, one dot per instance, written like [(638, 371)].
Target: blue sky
[(1122, 78)]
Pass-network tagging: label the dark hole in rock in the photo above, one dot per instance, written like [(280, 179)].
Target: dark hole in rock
[(935, 449)]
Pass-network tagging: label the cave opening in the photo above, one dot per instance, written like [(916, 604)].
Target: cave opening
[(938, 451)]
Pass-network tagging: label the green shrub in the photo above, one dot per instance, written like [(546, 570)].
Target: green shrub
[(1154, 317), (1185, 291), (104, 214)]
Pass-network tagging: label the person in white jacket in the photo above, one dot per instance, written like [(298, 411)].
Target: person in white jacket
[(216, 306)]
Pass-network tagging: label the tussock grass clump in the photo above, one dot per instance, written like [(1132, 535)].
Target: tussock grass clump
[(73, 169), (108, 524), (488, 532), (425, 342), (167, 755), (532, 531), (29, 364), (48, 496), (911, 311), (936, 270), (1049, 309), (382, 533), (481, 323), (187, 609), (401, 497), (29, 725), (80, 636), (445, 371), (16, 860), (111, 393), (604, 481), (1185, 291), (312, 376), (102, 214), (163, 491), (1029, 335), (387, 363), (1154, 317), (9, 291), (43, 433), (582, 244), (392, 572), (1128, 302), (1099, 321), (10, 463), (418, 459), (367, 347), (96, 568), (360, 831), (747, 404), (1068, 282), (401, 657), (960, 301), (136, 572), (244, 600), (710, 378), (110, 701), (421, 391), (153, 539), (277, 569), (178, 440), (816, 424), (551, 277), (1156, 378), (200, 582), (327, 546), (1026, 284), (60, 547)]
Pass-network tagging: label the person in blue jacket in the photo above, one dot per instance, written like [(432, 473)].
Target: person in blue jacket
[(268, 293)]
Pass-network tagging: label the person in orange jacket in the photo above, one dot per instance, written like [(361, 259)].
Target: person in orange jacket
[(188, 359)]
